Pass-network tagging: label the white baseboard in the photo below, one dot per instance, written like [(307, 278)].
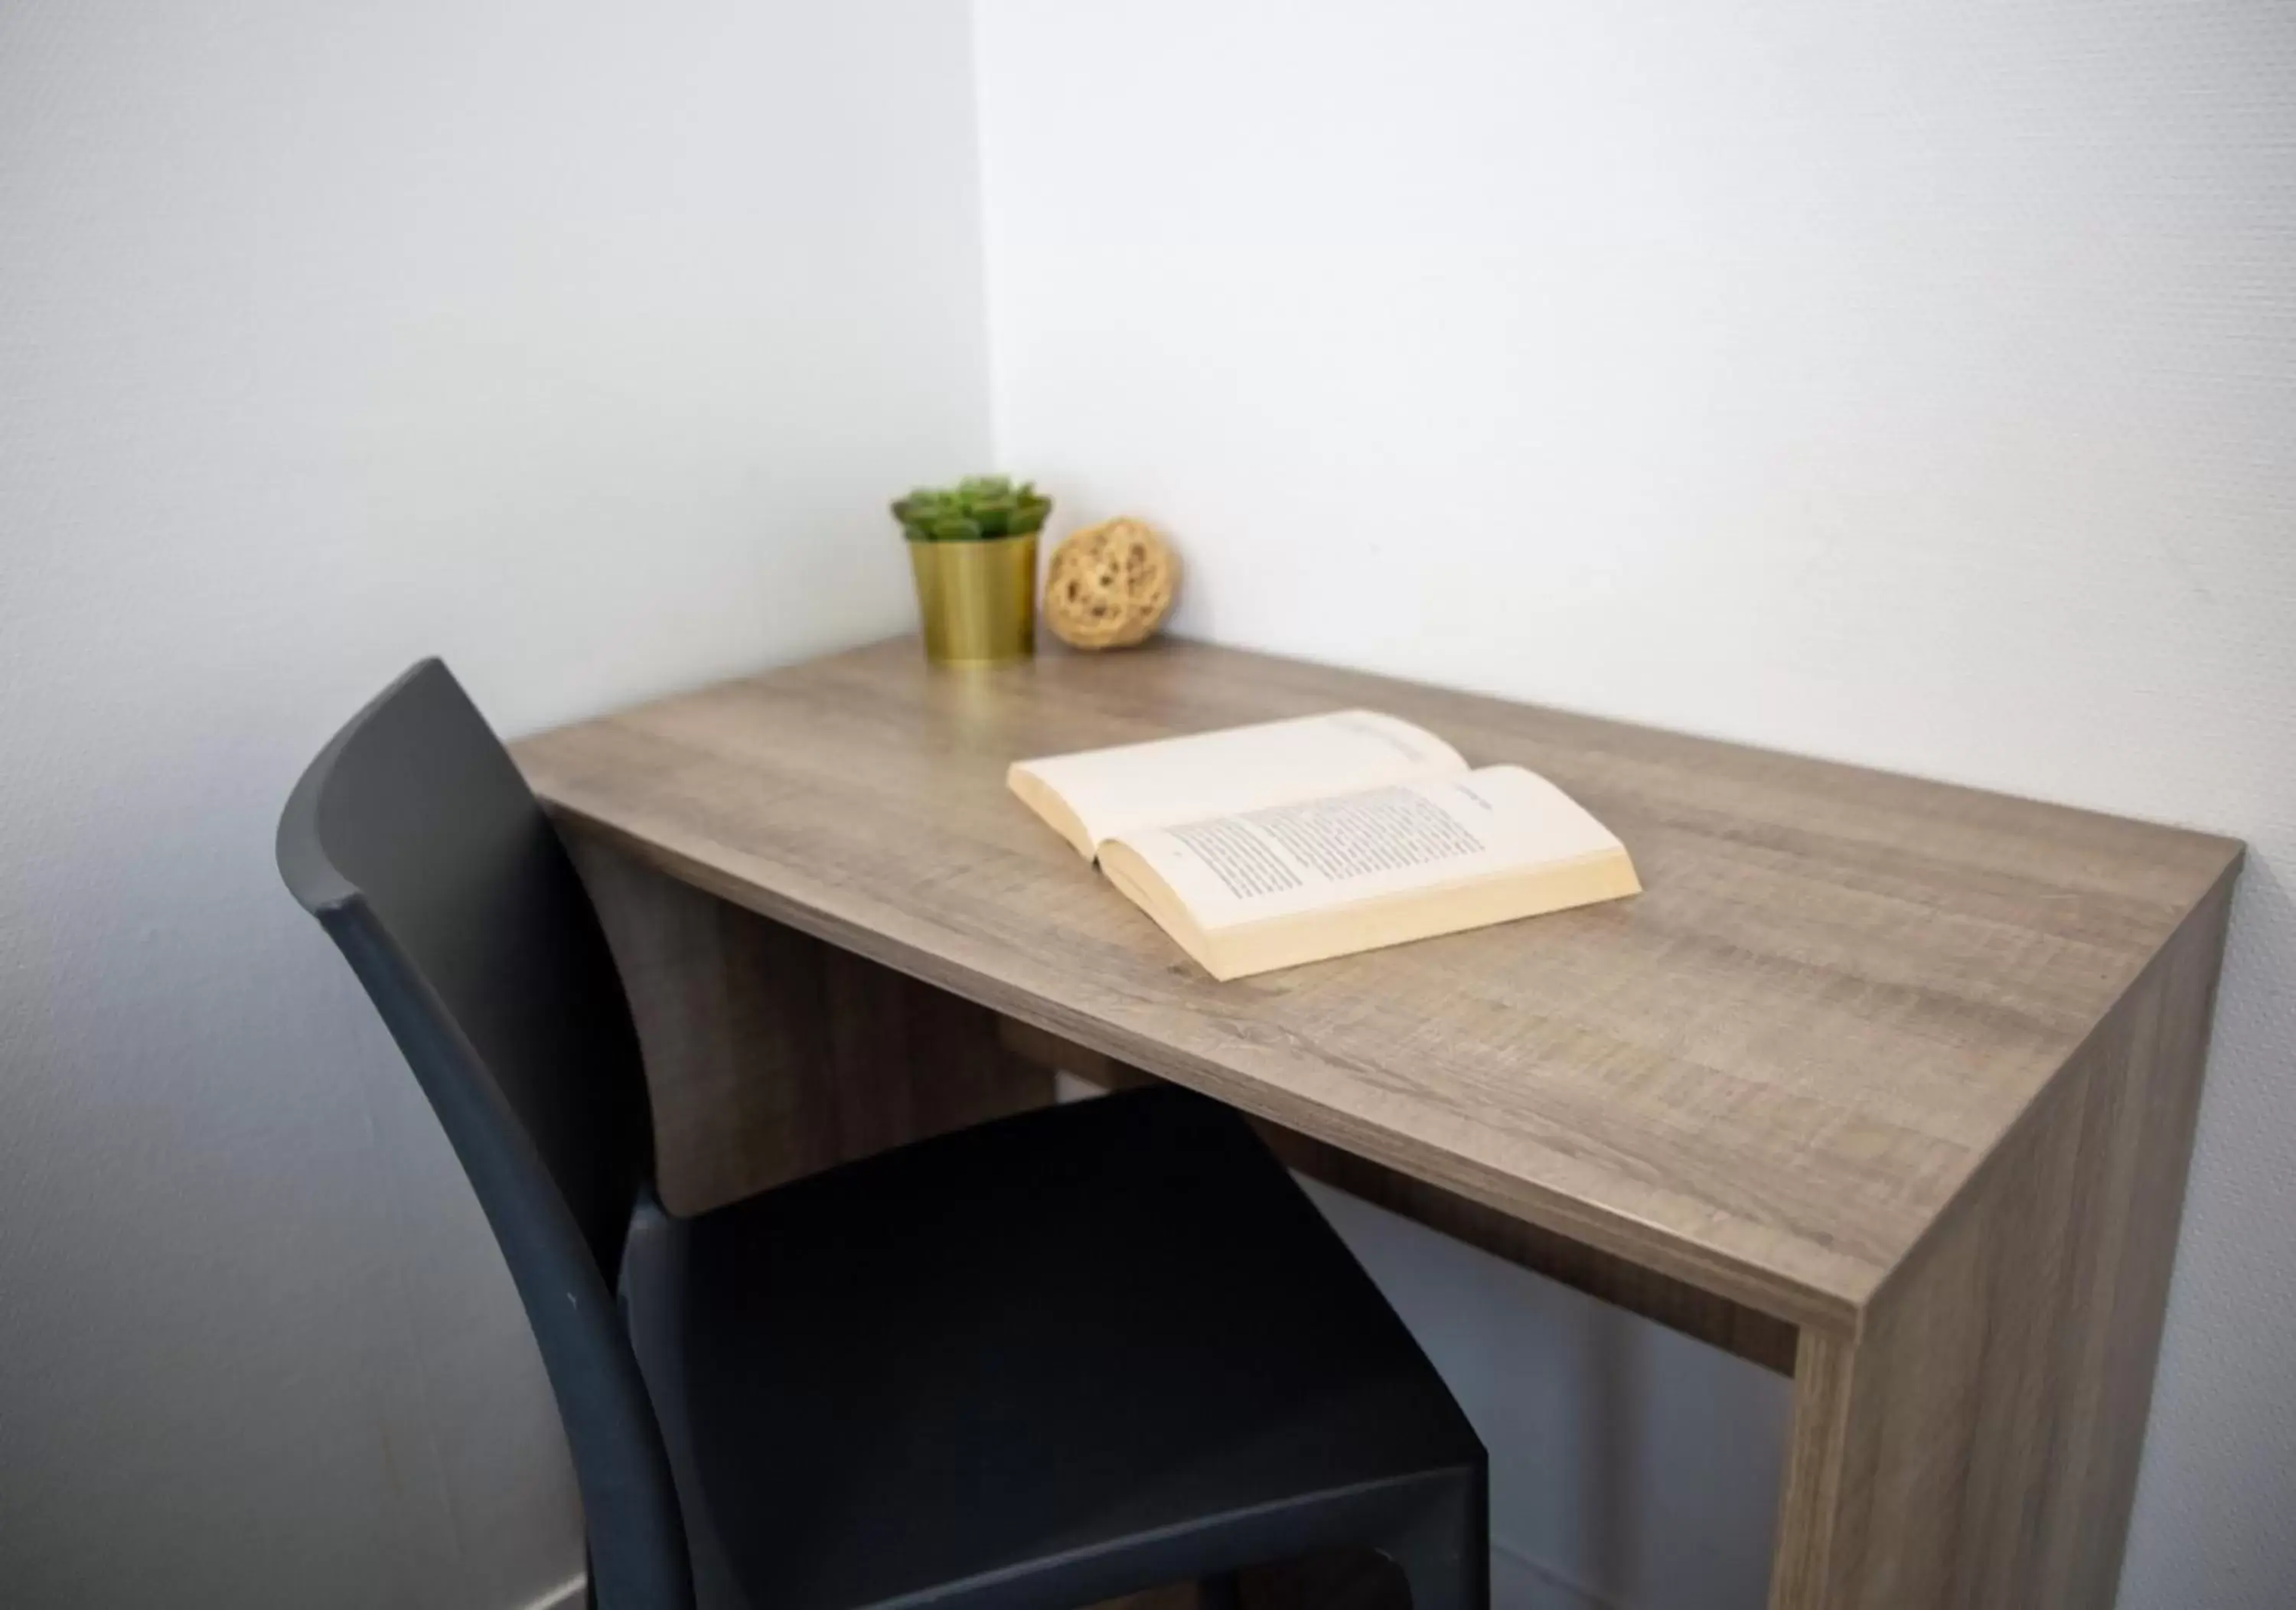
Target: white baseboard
[(566, 1596)]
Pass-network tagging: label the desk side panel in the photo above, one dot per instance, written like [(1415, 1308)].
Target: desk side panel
[(1975, 1442), (770, 1056)]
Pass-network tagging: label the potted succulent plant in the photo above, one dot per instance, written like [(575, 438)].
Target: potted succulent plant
[(974, 549)]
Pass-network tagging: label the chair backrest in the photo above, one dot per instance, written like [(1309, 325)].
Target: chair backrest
[(418, 847)]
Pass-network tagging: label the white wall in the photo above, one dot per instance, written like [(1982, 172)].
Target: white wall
[(1914, 385), (580, 343), (1629, 1464)]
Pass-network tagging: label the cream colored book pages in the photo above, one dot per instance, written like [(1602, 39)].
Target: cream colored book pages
[(1098, 793), (1366, 848)]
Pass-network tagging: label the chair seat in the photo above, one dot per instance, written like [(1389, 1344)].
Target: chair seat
[(1024, 1341)]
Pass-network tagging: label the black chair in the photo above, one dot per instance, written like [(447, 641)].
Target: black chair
[(1044, 1361)]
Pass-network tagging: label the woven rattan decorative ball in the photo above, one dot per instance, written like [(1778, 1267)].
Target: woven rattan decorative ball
[(1110, 585)]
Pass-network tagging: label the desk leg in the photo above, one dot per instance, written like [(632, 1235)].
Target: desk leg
[(1975, 1442)]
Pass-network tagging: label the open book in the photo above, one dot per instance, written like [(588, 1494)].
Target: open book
[(1264, 847)]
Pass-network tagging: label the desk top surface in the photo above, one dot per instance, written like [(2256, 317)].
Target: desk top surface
[(1768, 1075)]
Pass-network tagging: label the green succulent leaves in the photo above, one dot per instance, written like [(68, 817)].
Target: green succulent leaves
[(976, 509)]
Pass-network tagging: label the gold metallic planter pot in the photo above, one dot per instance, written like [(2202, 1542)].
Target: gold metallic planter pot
[(978, 599)]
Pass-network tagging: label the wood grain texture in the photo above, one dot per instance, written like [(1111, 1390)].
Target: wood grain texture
[(1911, 1069), (1975, 1441), (1769, 1077), (770, 1055), (1715, 1320)]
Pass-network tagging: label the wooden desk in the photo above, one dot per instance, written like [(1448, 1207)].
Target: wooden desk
[(1883, 1082)]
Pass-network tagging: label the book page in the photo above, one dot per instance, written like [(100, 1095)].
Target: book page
[(1177, 779), (1318, 854)]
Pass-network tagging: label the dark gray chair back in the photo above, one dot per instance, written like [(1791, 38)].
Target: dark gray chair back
[(421, 851)]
